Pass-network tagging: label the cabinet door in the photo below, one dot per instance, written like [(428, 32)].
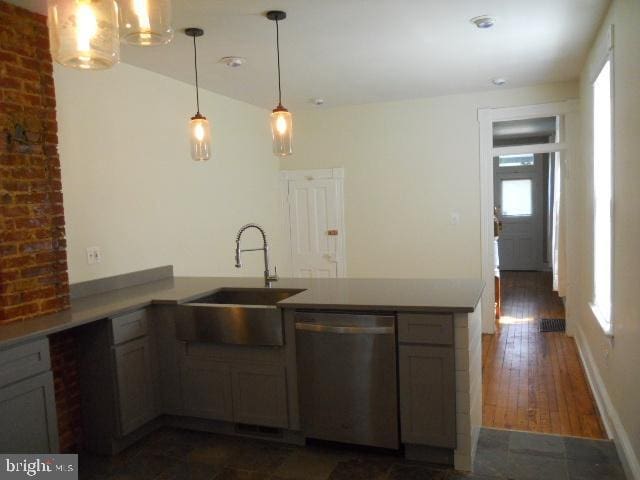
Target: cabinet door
[(260, 395), (427, 396), (28, 422), (206, 388), (134, 373)]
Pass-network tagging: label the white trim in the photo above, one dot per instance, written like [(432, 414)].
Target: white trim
[(486, 117), (535, 149), (612, 423), (314, 174)]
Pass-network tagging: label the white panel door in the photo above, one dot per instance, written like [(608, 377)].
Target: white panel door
[(518, 199), (315, 216)]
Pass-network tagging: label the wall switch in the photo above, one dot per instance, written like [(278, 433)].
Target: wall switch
[(455, 218), (93, 255)]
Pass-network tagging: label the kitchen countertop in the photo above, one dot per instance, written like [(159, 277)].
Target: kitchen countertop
[(432, 295)]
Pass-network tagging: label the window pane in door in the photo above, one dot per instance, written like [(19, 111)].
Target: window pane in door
[(521, 160), (516, 197)]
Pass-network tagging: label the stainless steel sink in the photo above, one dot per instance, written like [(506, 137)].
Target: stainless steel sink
[(234, 317), (261, 296)]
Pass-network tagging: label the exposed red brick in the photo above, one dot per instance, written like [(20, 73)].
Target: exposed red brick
[(33, 263)]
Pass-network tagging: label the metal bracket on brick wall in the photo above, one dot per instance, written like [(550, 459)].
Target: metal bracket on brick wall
[(21, 138)]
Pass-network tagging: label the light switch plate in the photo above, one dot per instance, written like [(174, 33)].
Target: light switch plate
[(93, 255)]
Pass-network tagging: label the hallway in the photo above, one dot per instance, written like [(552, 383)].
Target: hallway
[(534, 381)]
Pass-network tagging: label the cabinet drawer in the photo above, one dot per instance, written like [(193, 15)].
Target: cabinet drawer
[(129, 326), (24, 360), (425, 328)]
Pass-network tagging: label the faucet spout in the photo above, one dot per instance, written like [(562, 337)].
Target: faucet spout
[(268, 277)]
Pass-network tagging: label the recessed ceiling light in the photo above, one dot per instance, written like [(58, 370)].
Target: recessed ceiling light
[(317, 101), (233, 61), (483, 21), (499, 81)]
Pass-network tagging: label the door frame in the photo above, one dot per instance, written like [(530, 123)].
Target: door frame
[(566, 143), (315, 174)]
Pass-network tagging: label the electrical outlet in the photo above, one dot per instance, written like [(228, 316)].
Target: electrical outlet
[(93, 255), (455, 218)]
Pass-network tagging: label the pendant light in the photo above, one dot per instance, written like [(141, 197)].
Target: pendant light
[(145, 22), (200, 132), (84, 33), (281, 121)]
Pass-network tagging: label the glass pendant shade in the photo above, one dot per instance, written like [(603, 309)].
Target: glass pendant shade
[(281, 131), (200, 137), (84, 33), (145, 22)]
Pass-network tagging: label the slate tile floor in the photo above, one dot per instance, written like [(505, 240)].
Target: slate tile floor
[(172, 454)]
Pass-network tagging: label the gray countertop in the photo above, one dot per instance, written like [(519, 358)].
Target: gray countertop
[(453, 295)]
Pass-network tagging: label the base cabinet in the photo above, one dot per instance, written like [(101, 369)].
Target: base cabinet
[(28, 416), (427, 395), (134, 375), (259, 395), (227, 386), (206, 389)]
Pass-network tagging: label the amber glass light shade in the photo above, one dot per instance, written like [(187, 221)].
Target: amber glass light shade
[(200, 137), (84, 33), (145, 22), (281, 131)]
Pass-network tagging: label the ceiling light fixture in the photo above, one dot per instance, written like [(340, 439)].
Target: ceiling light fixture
[(199, 125), (84, 33), (233, 62), (499, 81), (145, 22), (483, 21), (281, 121)]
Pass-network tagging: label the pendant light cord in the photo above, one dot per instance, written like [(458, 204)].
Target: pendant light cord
[(195, 64), (278, 52)]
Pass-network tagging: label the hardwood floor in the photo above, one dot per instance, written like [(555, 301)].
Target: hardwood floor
[(534, 381)]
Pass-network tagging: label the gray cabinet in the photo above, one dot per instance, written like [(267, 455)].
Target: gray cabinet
[(28, 416), (135, 389), (260, 395), (28, 421), (118, 380), (234, 384), (206, 389), (427, 395)]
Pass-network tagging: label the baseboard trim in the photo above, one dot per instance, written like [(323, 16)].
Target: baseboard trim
[(609, 414)]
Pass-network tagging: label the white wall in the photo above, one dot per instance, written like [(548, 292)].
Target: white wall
[(131, 188), (408, 166), (613, 364)]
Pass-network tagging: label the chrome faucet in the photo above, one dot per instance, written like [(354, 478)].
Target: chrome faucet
[(268, 278)]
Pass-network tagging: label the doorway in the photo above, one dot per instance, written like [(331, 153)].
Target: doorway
[(532, 380), (313, 203)]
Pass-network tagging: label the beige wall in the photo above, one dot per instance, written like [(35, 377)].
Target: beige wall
[(408, 166), (614, 363), (131, 188)]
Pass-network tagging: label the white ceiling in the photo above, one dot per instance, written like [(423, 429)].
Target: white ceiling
[(361, 51)]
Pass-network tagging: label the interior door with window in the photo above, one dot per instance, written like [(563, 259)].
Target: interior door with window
[(518, 197), (316, 225)]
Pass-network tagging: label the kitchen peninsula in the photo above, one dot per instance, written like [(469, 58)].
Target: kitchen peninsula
[(155, 349)]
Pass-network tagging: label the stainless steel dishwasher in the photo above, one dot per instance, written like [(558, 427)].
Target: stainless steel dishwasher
[(347, 377)]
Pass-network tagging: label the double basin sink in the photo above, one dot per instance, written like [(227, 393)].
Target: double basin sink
[(234, 317)]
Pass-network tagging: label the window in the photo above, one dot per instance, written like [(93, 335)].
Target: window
[(516, 197), (521, 160), (602, 204)]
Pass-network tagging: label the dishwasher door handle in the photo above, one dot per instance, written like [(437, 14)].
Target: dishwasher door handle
[(320, 328)]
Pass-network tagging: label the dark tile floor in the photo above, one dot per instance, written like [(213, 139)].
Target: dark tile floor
[(171, 454)]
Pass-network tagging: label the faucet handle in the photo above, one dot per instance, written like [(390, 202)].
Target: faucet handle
[(274, 277)]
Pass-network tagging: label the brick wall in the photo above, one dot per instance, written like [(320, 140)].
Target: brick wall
[(33, 260)]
